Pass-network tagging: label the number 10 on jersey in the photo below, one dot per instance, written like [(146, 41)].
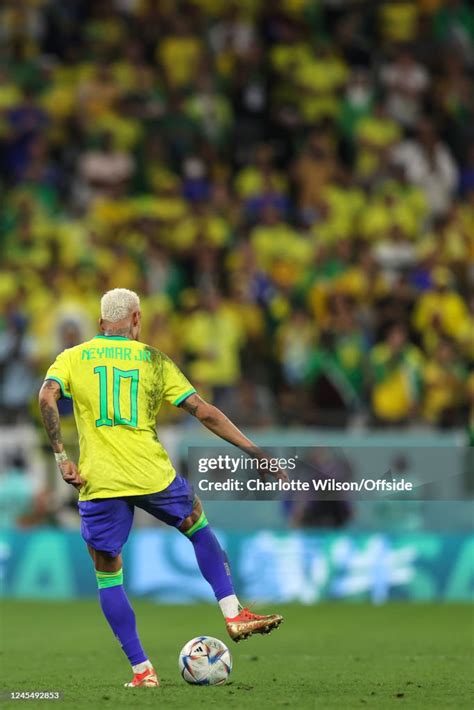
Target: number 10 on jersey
[(118, 376)]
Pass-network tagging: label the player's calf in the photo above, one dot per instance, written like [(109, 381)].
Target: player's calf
[(121, 617), (211, 559), (214, 565)]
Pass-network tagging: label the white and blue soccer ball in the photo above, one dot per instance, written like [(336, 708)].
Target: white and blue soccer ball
[(205, 661)]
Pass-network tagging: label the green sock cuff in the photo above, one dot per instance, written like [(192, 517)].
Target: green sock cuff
[(109, 579), (201, 522)]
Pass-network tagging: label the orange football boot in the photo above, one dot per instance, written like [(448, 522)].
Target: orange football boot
[(147, 679)]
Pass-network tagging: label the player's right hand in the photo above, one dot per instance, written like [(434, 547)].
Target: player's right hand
[(281, 475), (70, 473)]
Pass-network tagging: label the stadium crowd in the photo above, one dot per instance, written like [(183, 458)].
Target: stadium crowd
[(288, 185)]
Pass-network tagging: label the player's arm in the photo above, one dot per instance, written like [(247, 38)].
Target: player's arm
[(49, 394), (216, 421)]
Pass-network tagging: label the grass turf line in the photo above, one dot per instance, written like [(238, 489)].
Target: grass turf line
[(324, 657)]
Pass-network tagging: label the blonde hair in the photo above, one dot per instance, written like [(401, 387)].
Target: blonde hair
[(119, 303)]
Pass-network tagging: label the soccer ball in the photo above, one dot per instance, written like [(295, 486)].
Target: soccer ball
[(205, 661)]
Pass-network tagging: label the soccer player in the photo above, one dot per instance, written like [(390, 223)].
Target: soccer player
[(117, 385)]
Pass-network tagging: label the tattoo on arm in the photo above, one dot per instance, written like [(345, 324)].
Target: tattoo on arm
[(50, 393), (53, 386), (50, 416), (191, 404)]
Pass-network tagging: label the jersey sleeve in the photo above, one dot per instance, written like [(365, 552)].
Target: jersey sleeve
[(176, 387), (60, 373)]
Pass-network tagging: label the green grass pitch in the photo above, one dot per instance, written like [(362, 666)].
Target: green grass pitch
[(328, 657)]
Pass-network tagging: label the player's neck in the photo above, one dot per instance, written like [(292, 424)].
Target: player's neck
[(123, 332)]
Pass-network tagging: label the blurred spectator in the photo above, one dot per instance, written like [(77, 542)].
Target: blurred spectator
[(314, 169), (323, 464), (376, 134), (180, 52), (395, 373), (444, 380), (398, 20), (211, 111), (212, 339), (395, 253), (104, 170), (251, 405), (233, 33), (336, 372), (18, 376), (358, 103), (296, 338), (440, 309), (429, 163), (25, 121), (21, 505), (261, 176), (405, 82)]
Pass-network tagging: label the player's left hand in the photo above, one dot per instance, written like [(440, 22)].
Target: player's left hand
[(70, 474)]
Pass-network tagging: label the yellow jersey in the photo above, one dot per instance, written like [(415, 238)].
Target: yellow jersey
[(117, 386)]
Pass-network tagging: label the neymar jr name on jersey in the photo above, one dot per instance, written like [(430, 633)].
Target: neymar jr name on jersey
[(117, 352)]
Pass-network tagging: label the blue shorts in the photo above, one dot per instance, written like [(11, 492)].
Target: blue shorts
[(106, 522)]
